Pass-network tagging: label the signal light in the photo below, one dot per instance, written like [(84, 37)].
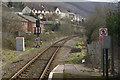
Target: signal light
[(37, 23)]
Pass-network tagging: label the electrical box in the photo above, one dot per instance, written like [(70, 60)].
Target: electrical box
[(20, 46), (106, 43)]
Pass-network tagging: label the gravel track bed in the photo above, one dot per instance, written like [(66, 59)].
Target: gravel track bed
[(8, 72), (35, 70), (63, 55)]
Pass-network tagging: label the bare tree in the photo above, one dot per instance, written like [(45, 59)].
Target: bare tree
[(11, 23), (95, 21)]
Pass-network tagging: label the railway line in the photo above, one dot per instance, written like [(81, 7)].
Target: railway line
[(38, 67)]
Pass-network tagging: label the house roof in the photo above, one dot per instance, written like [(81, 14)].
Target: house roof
[(26, 10), (22, 19), (28, 18), (45, 7)]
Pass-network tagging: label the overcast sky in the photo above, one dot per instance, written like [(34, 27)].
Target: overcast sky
[(61, 0)]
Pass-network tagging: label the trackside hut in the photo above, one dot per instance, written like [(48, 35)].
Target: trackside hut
[(29, 23)]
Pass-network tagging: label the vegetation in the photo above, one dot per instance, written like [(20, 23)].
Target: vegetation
[(77, 56), (63, 27), (31, 14), (19, 5), (112, 23), (12, 26), (11, 56), (103, 16), (95, 21), (107, 16)]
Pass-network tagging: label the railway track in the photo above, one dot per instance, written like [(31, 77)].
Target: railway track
[(38, 67)]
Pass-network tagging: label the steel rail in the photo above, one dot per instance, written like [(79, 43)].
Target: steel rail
[(21, 70), (50, 61), (31, 61)]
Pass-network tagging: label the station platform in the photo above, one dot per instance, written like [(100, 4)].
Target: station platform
[(73, 71)]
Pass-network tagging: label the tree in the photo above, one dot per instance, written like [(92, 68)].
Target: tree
[(112, 23), (19, 5), (31, 14), (94, 21), (11, 24)]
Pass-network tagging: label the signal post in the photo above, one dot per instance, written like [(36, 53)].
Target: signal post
[(37, 31)]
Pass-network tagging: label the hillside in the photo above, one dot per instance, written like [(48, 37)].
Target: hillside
[(81, 8)]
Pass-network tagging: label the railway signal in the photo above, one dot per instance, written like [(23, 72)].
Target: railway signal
[(37, 23), (37, 31)]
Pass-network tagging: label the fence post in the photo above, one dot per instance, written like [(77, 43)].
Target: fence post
[(112, 58)]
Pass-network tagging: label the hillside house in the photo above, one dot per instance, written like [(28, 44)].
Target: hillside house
[(45, 12), (57, 11), (26, 10), (71, 16)]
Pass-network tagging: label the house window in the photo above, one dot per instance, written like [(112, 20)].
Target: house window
[(57, 12)]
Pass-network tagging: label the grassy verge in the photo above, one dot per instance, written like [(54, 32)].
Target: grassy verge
[(77, 56), (10, 56), (49, 37)]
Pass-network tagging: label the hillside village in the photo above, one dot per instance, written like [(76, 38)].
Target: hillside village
[(45, 15)]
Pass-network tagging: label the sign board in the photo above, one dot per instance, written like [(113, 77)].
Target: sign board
[(106, 43), (102, 32)]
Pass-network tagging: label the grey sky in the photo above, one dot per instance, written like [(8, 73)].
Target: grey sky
[(61, 0)]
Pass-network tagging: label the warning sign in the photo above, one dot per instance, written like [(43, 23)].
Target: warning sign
[(103, 32)]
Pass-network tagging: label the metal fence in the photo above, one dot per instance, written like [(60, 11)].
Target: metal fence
[(94, 52)]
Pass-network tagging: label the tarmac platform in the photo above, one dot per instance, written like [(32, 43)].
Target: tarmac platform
[(73, 71)]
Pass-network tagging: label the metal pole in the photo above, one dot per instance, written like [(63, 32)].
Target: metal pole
[(103, 64), (112, 58), (106, 64)]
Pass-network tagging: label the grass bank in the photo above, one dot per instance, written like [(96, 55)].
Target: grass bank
[(77, 57), (11, 56)]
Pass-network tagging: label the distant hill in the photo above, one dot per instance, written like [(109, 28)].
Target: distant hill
[(81, 8)]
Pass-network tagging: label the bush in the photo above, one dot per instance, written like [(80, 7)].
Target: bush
[(9, 43), (29, 40)]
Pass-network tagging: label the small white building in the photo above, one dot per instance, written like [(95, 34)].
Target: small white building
[(26, 10), (57, 11)]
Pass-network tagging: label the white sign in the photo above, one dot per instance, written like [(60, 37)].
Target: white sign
[(103, 32), (106, 43)]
